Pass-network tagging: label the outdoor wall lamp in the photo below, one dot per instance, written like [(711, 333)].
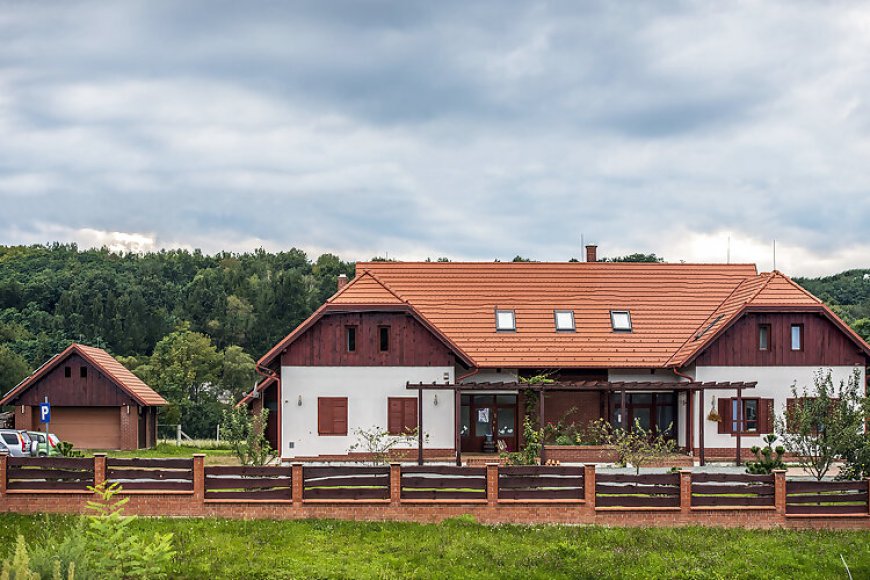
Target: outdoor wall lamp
[(436, 399), (299, 401)]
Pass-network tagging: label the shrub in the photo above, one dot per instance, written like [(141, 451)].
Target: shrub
[(378, 442), (530, 454), (640, 446), (767, 459), (246, 435), (65, 448)]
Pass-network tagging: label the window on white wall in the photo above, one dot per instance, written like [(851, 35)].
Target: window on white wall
[(797, 336)]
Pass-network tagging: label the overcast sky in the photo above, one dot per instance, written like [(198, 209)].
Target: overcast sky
[(474, 130)]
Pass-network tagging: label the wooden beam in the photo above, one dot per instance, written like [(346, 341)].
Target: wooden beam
[(420, 427), (701, 425), (623, 412), (739, 422), (541, 422), (457, 423)]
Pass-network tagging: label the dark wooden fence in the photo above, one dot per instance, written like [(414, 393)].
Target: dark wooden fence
[(826, 497), (49, 474), (540, 483), (150, 474), (630, 490), (238, 482), (431, 482), (732, 489), (346, 483)]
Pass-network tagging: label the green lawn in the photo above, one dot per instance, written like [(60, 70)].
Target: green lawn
[(164, 450), (211, 548)]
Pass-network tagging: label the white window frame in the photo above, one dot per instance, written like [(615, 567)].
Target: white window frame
[(499, 312), (572, 327), (614, 314)]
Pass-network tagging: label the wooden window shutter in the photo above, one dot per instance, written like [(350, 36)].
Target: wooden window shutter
[(790, 406), (332, 416), (765, 416), (394, 415), (339, 417), (324, 416), (725, 414), (410, 414)]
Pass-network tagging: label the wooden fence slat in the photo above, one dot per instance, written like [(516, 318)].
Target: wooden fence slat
[(155, 474), (445, 482), (336, 471), (742, 489), (827, 498), (50, 485), (822, 486), (251, 494), (540, 493), (731, 477), (635, 501), (441, 494), (347, 481), (19, 473), (826, 510), (637, 489), (83, 463), (540, 470), (714, 500), (245, 483), (444, 470), (173, 463), (663, 479), (157, 486), (514, 481), (264, 471), (347, 493)]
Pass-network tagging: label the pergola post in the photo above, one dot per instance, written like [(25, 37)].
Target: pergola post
[(701, 425), (419, 426), (541, 422), (457, 420), (739, 421), (623, 412)]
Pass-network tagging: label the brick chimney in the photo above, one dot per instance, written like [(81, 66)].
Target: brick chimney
[(342, 281), (591, 253)]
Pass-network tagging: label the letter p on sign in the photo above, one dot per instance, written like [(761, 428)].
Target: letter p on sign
[(44, 413)]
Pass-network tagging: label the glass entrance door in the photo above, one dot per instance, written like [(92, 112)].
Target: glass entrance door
[(653, 411), (487, 419)]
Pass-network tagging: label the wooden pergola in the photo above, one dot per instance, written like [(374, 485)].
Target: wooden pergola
[(621, 387)]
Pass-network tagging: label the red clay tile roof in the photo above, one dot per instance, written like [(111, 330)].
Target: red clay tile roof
[(670, 305), (115, 371)]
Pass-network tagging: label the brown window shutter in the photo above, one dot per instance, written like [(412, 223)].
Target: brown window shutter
[(339, 417), (394, 415), (765, 416), (789, 414), (725, 415), (324, 416), (410, 414)]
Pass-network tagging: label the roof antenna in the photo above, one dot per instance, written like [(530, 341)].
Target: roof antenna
[(728, 255), (582, 244)]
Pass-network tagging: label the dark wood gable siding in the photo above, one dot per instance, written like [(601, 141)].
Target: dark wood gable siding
[(824, 343), (325, 343), (95, 390)]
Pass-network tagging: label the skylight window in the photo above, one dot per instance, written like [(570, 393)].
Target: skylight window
[(620, 320), (564, 320), (505, 320), (708, 327)]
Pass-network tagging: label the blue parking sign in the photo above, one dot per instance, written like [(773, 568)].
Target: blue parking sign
[(45, 413)]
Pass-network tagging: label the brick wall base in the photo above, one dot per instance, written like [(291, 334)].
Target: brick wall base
[(499, 513), (394, 455)]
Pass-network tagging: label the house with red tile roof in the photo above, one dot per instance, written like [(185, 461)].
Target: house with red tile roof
[(96, 402), (450, 348)]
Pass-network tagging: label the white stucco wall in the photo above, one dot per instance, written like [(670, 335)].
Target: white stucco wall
[(367, 390), (773, 383)]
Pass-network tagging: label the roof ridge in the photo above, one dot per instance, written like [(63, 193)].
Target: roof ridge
[(357, 279), (386, 287)]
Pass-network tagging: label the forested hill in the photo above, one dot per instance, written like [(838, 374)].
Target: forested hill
[(848, 294)]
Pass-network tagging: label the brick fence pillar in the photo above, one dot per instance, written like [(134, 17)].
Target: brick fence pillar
[(589, 485), (199, 477), (779, 490), (492, 483), (395, 483), (99, 469), (3, 464), (296, 484), (685, 490), (868, 490)]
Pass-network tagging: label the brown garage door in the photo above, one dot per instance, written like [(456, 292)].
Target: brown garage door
[(87, 427)]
